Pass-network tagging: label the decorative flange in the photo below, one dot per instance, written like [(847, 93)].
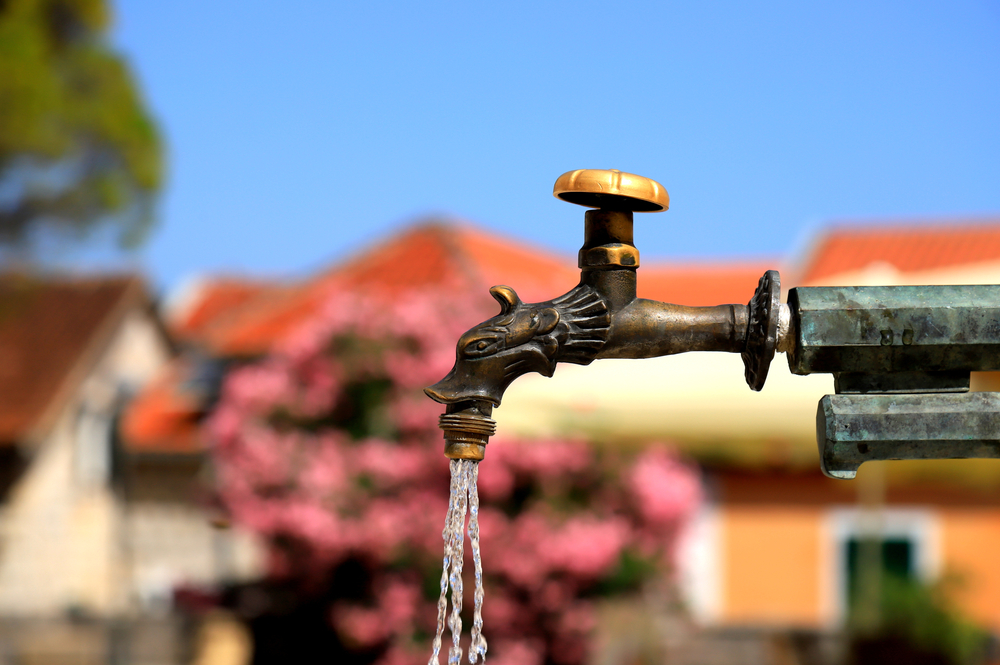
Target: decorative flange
[(762, 329)]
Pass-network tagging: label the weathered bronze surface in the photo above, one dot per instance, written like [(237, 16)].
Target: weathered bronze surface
[(599, 318), (467, 428), (889, 329), (901, 382), (901, 357), (852, 429)]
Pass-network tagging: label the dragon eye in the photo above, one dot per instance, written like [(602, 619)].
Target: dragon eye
[(484, 346)]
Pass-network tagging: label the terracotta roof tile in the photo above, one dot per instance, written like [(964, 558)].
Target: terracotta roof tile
[(426, 256), (701, 284), (536, 274), (217, 298), (460, 257), (163, 417), (908, 248), (46, 326)]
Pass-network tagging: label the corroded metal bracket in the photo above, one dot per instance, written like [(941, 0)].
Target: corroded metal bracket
[(901, 357), (853, 429)]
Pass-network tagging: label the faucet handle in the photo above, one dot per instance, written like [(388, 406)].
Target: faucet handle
[(611, 190)]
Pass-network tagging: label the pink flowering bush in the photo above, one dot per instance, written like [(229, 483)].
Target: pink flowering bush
[(329, 449)]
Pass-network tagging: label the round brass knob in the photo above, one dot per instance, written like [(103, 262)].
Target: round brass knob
[(611, 190)]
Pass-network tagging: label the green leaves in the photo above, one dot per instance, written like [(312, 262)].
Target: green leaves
[(923, 618), (628, 576), (77, 146)]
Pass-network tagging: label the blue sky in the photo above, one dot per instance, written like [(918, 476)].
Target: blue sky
[(297, 130)]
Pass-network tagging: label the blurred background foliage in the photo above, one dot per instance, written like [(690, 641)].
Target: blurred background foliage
[(915, 622), (78, 149)]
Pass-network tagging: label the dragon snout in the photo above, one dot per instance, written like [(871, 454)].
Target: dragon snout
[(465, 383)]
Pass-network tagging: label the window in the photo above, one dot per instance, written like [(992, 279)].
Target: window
[(895, 556), (909, 549), (93, 447)]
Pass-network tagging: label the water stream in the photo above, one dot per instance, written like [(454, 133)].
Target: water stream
[(464, 499)]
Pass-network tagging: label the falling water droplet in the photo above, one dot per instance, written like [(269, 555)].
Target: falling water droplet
[(442, 605), (458, 552), (477, 649), (464, 499)]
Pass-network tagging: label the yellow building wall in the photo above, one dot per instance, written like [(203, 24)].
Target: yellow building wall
[(971, 549), (771, 565)]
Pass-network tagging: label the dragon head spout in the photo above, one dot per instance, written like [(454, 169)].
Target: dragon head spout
[(522, 338)]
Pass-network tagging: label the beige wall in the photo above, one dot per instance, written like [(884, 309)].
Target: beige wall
[(62, 532), (170, 538)]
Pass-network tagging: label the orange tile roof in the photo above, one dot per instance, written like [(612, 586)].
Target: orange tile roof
[(455, 256), (215, 299), (536, 274), (425, 256), (47, 328), (163, 417), (702, 284), (908, 248)]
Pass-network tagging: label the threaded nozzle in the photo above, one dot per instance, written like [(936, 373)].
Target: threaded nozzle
[(466, 434)]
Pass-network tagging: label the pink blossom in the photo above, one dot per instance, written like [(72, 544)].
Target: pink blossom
[(555, 594), (502, 613), (413, 411), (398, 655), (326, 471), (318, 382), (398, 602), (359, 626), (496, 481), (526, 567), (516, 652), (666, 489), (574, 626), (585, 546), (388, 524), (255, 387), (548, 457), (388, 463)]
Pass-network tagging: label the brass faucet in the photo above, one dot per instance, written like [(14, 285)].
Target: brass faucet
[(901, 356), (601, 317)]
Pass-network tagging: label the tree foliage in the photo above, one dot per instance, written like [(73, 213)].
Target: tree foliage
[(77, 147), (329, 449), (919, 624)]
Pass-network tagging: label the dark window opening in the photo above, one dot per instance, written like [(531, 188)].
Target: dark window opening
[(896, 557)]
